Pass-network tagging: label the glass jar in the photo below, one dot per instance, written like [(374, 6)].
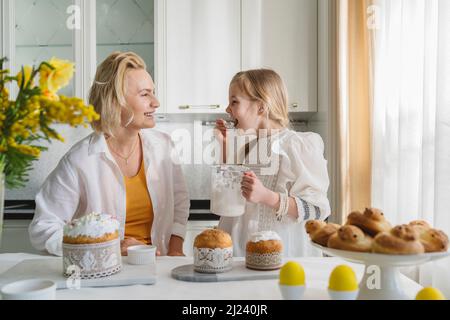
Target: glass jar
[(226, 194)]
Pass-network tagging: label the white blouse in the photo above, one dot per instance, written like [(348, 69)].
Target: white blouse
[(88, 179), (299, 170)]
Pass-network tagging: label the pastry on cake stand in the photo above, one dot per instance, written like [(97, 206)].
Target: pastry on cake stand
[(387, 266)]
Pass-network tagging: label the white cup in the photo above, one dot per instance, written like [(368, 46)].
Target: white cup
[(343, 295), (33, 289), (140, 255), (292, 292)]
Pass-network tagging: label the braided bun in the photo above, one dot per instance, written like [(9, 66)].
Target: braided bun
[(350, 238), (402, 239), (372, 221)]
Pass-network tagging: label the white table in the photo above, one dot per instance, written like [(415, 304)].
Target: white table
[(317, 272)]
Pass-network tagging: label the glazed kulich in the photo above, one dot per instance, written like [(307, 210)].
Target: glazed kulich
[(320, 231), (213, 251), (92, 244), (264, 251), (401, 240), (90, 229), (350, 238), (433, 240), (372, 221)]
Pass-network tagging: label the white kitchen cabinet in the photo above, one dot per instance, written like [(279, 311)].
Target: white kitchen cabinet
[(203, 43), (193, 48), (126, 25), (200, 42), (283, 35), (33, 31)]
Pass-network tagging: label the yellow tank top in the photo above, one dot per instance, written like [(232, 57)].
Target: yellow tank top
[(139, 217)]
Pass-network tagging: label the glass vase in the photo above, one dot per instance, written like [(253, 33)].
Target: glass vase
[(2, 203)]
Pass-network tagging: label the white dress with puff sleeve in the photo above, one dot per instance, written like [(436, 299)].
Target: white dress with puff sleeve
[(297, 168)]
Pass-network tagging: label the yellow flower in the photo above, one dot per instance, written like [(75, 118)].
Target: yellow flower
[(11, 142), (57, 78), (27, 71), (53, 135), (50, 95), (19, 130), (30, 119), (4, 99), (4, 92), (28, 150), (23, 148)]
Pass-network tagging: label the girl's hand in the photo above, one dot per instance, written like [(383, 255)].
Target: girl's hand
[(220, 132), (128, 242), (252, 188)]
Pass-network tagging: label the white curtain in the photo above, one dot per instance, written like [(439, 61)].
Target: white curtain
[(411, 118)]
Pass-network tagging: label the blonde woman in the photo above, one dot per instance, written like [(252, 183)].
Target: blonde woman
[(289, 185), (125, 168)]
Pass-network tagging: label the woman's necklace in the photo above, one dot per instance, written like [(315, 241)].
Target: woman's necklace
[(131, 152)]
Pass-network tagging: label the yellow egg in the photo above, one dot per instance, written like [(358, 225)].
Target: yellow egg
[(292, 274), (430, 294), (343, 278)]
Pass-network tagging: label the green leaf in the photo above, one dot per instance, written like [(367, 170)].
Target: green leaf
[(16, 168)]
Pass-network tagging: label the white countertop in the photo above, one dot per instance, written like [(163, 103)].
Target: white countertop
[(166, 288)]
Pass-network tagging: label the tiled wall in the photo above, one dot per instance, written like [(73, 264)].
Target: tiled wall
[(197, 175)]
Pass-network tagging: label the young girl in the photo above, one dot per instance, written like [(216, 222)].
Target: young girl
[(294, 189)]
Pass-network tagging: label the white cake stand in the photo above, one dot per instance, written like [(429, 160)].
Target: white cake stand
[(388, 267)]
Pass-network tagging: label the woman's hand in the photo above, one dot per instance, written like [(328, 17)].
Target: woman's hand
[(128, 242), (175, 247), (175, 254), (254, 191)]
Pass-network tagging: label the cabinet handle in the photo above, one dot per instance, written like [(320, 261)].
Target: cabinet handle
[(294, 105), (189, 107)]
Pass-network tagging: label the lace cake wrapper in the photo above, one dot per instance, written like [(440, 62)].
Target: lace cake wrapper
[(208, 260), (264, 261), (92, 261)]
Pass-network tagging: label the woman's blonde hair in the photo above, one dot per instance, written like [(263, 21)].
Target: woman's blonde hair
[(267, 87), (107, 94)]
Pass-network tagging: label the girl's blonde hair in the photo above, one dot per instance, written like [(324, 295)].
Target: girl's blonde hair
[(107, 94), (267, 87)]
